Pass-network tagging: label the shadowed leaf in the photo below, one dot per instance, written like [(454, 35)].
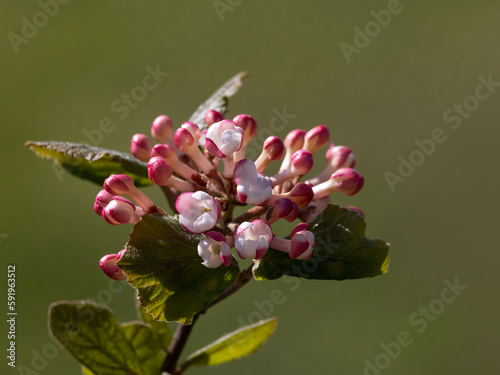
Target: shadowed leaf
[(342, 251)]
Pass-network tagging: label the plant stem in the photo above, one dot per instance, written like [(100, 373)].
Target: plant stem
[(251, 214), (170, 365)]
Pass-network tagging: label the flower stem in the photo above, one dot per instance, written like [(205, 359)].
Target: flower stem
[(170, 365)]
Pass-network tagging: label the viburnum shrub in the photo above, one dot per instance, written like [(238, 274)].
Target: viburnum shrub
[(185, 262)]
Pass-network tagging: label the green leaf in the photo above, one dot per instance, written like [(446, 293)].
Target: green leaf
[(94, 337), (162, 262), (234, 345), (219, 99), (146, 345), (86, 371), (159, 328), (342, 251), (92, 163)]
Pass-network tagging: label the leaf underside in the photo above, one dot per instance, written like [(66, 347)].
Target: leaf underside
[(218, 100), (92, 163), (234, 345)]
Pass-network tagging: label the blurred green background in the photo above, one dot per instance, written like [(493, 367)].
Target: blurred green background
[(441, 220)]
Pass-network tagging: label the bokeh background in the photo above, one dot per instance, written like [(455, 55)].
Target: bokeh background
[(442, 220)]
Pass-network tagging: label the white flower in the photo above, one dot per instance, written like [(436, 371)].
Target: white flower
[(214, 250), (252, 187), (252, 239), (224, 138), (198, 212)]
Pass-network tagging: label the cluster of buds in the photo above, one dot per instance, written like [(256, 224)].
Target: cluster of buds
[(207, 174)]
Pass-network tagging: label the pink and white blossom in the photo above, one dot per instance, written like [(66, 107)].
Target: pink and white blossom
[(251, 187), (252, 239), (198, 212), (300, 246), (214, 250)]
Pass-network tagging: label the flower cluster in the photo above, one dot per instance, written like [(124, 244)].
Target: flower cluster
[(207, 175)]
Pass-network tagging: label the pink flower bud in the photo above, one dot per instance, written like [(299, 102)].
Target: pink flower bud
[(300, 164), (140, 146), (198, 212), (224, 138), (272, 150), (251, 187), (249, 126), (121, 184), (340, 157), (101, 201), (284, 208), (337, 157), (118, 184), (160, 173), (162, 128), (109, 267), (187, 143), (294, 141), (120, 211), (212, 116), (214, 250), (247, 123), (168, 153), (301, 194), (300, 246), (193, 129), (345, 180), (252, 239), (316, 138)]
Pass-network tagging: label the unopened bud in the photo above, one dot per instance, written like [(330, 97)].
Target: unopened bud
[(140, 146), (162, 129), (272, 150), (345, 180), (316, 138), (109, 267), (212, 116)]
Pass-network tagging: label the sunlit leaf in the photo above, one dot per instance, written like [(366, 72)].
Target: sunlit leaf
[(234, 345), (92, 163)]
